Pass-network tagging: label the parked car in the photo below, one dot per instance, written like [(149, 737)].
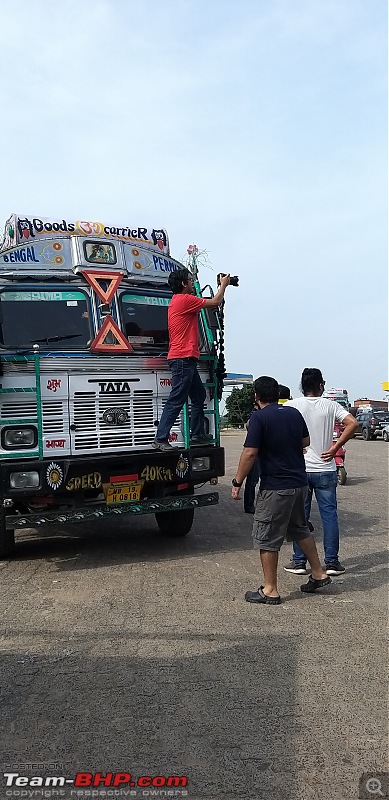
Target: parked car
[(385, 433), (371, 424)]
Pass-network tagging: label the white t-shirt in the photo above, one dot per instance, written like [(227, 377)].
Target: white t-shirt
[(320, 415)]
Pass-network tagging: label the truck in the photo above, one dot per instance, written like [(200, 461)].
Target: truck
[(84, 379), (340, 395)]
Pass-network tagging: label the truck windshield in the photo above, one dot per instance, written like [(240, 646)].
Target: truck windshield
[(56, 320), (145, 321)]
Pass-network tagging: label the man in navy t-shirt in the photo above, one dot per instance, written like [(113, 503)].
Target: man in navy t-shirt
[(277, 435)]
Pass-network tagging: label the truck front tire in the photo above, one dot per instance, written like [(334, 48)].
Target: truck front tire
[(175, 523)]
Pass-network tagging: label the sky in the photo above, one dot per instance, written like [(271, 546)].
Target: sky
[(255, 129)]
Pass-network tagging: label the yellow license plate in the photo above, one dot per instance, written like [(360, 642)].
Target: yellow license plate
[(122, 492)]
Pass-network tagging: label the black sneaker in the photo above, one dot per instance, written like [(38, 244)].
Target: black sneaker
[(205, 439), (297, 567), (335, 568), (161, 445)]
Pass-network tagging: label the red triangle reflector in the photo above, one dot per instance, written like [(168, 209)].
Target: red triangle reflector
[(100, 345), (112, 278)]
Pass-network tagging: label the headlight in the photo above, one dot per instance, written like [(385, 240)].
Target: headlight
[(24, 480), (201, 464), (13, 438)]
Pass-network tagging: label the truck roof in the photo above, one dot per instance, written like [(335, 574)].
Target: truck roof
[(24, 229), (335, 391), (39, 246)]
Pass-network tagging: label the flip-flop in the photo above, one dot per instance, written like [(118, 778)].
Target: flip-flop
[(260, 597), (314, 584)]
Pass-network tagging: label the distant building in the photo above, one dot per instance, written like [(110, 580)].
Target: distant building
[(237, 379), (364, 401)]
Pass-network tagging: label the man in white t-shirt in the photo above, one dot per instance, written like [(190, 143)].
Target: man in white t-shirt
[(320, 415)]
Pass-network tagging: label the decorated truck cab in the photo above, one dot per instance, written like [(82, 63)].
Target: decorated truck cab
[(84, 379), (340, 395)]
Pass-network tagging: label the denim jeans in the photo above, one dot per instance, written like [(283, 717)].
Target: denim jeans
[(186, 382), (323, 484), (249, 487)]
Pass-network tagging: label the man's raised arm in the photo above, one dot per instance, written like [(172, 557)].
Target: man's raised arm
[(213, 302)]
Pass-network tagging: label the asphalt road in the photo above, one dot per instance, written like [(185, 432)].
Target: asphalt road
[(124, 651)]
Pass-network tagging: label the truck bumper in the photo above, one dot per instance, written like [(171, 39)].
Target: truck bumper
[(70, 477), (98, 510)]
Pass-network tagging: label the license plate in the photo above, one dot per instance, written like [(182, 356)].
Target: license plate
[(122, 492)]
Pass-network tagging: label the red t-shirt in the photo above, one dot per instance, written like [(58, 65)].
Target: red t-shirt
[(183, 326)]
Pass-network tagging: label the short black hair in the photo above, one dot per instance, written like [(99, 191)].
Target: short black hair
[(177, 278), (311, 380), (266, 389), (283, 392)]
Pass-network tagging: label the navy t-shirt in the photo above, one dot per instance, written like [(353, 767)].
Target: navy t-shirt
[(277, 431)]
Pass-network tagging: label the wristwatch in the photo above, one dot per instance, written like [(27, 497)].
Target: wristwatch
[(236, 484)]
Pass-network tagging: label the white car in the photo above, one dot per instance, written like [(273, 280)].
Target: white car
[(385, 433)]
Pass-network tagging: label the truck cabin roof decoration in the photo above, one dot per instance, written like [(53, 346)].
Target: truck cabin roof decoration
[(41, 247), (27, 229)]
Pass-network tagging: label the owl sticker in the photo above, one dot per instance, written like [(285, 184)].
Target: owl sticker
[(159, 238), (25, 228)]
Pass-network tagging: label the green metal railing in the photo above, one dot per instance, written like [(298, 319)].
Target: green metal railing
[(211, 384), (31, 420)]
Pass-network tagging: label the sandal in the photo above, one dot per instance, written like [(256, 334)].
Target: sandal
[(314, 584), (260, 597)]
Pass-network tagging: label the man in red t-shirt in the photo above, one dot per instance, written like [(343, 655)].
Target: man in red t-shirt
[(183, 356)]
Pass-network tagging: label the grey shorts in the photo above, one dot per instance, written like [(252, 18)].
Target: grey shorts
[(279, 514)]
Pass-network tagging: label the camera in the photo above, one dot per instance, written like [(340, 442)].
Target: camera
[(234, 279)]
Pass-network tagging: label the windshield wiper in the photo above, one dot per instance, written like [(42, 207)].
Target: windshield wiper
[(56, 338)]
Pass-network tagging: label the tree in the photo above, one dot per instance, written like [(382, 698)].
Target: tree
[(239, 405)]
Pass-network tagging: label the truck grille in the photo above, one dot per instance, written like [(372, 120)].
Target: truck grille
[(54, 420), (52, 413), (76, 412), (93, 433)]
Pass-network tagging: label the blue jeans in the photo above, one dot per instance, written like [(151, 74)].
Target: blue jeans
[(323, 484), (186, 382)]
